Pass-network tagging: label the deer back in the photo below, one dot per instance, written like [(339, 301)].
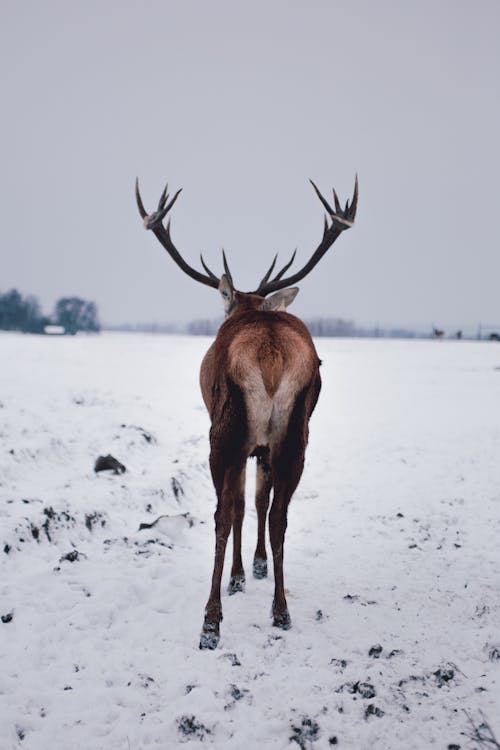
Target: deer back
[(262, 360)]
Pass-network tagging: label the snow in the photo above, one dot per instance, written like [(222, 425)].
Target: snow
[(392, 542)]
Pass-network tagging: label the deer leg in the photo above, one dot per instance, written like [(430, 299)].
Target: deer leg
[(237, 581), (263, 488), (287, 462), (227, 465), (223, 521), (277, 528)]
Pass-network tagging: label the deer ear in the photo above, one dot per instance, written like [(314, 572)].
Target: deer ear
[(280, 300), (227, 291)]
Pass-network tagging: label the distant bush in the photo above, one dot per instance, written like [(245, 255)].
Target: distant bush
[(75, 314), (18, 313)]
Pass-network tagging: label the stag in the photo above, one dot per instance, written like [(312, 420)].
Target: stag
[(260, 382)]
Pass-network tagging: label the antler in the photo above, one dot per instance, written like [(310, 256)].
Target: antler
[(341, 220), (154, 222)]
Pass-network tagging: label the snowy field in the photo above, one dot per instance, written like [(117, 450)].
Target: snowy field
[(391, 557)]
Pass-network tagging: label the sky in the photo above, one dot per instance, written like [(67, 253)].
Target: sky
[(240, 104)]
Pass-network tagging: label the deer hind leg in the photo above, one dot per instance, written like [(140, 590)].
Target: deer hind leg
[(226, 498), (263, 488), (287, 462), (237, 580), (227, 464)]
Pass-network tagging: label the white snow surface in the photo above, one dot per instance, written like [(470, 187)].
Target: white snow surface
[(393, 542)]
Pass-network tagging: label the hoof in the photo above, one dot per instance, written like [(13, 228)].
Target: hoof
[(259, 568), (237, 583), (209, 637), (282, 620), (209, 641)]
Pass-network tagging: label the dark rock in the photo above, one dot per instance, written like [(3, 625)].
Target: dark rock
[(94, 519), (372, 710), (190, 727), (233, 660), (72, 556), (340, 663), (237, 693), (443, 675), (375, 651), (394, 652), (104, 463), (365, 689), (54, 518), (306, 732), (7, 618), (176, 488)]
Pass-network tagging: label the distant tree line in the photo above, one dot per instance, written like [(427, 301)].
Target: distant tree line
[(18, 313), (317, 326), (330, 327)]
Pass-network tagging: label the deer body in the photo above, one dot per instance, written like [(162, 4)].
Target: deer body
[(270, 358), (260, 382)]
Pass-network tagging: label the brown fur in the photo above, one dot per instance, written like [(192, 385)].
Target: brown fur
[(260, 382)]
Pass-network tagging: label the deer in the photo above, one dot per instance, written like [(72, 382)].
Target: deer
[(260, 382)]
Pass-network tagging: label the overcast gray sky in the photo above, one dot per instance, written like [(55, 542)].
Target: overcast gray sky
[(239, 104)]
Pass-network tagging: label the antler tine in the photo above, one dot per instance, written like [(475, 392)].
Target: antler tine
[(160, 213), (323, 201), (338, 207), (207, 269), (226, 268), (138, 198), (265, 281), (286, 267), (354, 202), (266, 276), (163, 198)]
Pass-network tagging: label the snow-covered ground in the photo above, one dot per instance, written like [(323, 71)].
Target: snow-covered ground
[(391, 557)]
